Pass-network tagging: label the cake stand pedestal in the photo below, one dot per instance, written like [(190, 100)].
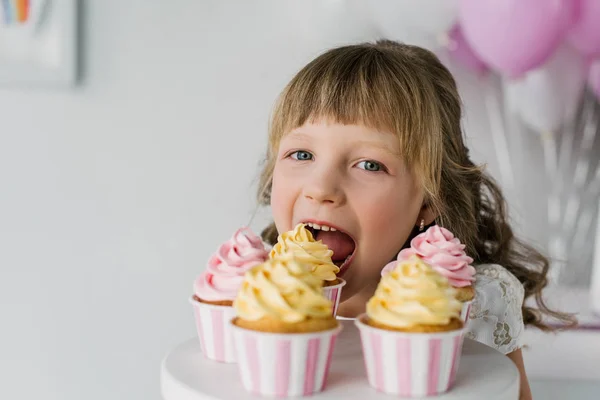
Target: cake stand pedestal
[(484, 373)]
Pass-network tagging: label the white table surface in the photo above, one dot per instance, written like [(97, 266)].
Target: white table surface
[(187, 375)]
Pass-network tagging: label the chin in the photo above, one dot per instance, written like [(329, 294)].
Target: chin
[(351, 289)]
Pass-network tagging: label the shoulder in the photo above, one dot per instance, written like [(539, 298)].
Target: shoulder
[(494, 276), (496, 317)]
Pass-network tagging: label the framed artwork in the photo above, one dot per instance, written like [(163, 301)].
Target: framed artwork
[(38, 42)]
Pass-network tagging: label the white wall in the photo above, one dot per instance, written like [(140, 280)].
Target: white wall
[(113, 194)]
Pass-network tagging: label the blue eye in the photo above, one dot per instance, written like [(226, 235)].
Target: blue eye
[(301, 155), (371, 166)]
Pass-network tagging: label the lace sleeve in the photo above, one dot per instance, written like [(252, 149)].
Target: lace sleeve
[(496, 318)]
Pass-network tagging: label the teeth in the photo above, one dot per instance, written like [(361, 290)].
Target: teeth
[(320, 227)]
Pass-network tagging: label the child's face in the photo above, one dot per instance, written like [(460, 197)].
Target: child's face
[(348, 177)]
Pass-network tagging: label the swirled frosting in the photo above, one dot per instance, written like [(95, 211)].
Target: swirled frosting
[(281, 289), (226, 267), (300, 243), (439, 248), (413, 293)]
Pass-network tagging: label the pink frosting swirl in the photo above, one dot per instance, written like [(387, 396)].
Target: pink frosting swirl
[(226, 268), (439, 248)]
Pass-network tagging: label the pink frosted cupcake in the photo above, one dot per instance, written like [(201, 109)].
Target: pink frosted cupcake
[(439, 248), (216, 288)]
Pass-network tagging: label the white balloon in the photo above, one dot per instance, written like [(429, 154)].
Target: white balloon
[(428, 17), (547, 97)]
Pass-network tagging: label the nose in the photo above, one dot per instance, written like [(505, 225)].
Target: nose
[(324, 186)]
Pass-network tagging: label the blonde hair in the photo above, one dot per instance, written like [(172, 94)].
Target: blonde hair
[(405, 90)]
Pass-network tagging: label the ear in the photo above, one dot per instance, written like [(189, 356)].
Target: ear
[(426, 214)]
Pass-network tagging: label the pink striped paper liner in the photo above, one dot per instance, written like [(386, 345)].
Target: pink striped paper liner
[(333, 293), (410, 364), (466, 311), (214, 331), (284, 365)]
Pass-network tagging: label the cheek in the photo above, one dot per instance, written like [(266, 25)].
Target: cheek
[(390, 221), (391, 216), (281, 202)]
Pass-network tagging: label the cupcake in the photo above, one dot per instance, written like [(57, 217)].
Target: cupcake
[(439, 248), (216, 288), (284, 330), (412, 333), (301, 243)]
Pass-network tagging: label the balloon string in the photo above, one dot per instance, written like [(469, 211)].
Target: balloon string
[(550, 166), (550, 158), (515, 135), (556, 241), (564, 159), (577, 222), (582, 233), (581, 172), (499, 137), (595, 277)]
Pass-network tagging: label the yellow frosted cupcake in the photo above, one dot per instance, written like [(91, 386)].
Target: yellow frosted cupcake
[(412, 333), (313, 253), (413, 297), (284, 331), (283, 296)]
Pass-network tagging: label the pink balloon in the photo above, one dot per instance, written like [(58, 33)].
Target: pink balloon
[(513, 36), (460, 50), (594, 78), (571, 14), (585, 33)]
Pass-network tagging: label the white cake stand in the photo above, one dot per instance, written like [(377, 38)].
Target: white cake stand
[(483, 374)]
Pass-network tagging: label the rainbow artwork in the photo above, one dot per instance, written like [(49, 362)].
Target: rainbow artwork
[(15, 12)]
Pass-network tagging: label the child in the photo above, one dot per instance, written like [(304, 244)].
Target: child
[(366, 146)]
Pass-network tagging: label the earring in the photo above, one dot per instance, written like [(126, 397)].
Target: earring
[(422, 225)]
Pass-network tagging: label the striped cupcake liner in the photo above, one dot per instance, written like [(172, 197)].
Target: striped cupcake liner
[(284, 365), (465, 311), (333, 293), (214, 331), (410, 364)]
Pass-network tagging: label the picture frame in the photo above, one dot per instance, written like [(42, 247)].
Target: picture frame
[(38, 43)]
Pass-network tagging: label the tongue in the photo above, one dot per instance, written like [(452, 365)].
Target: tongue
[(340, 243)]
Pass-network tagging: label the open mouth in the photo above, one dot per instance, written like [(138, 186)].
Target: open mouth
[(338, 241)]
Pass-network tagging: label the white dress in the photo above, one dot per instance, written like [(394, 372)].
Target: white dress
[(496, 319)]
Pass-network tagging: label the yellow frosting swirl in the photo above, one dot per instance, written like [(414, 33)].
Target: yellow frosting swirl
[(413, 294), (282, 289), (302, 245)]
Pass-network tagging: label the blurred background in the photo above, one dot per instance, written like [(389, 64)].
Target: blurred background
[(132, 133)]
